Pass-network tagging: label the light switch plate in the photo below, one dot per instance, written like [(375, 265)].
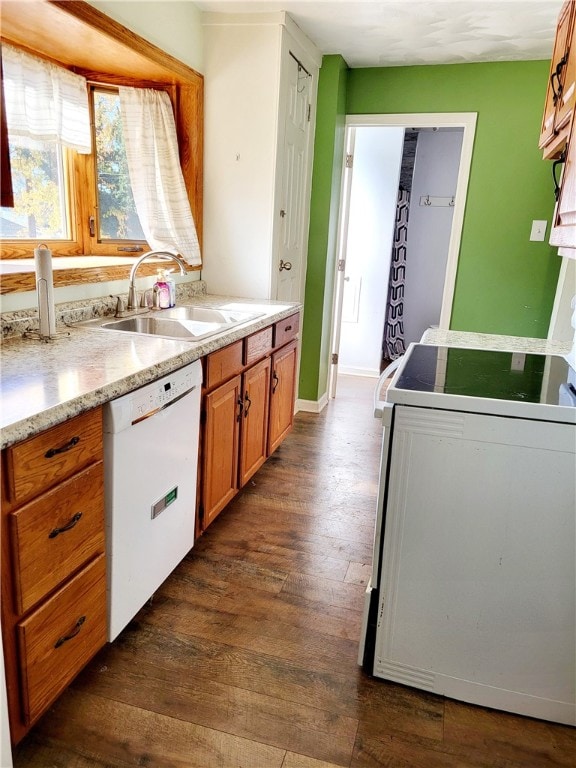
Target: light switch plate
[(538, 231)]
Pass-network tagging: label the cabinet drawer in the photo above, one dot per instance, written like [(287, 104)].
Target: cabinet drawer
[(286, 329), (258, 345), (59, 638), (56, 534), (56, 454), (223, 364)]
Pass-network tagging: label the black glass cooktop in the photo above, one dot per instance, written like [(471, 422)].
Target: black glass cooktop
[(487, 374)]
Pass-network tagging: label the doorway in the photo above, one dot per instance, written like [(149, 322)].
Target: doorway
[(373, 174)]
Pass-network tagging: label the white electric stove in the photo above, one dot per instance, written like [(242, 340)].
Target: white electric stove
[(473, 587)]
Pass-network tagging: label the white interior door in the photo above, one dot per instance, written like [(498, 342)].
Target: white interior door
[(341, 260), (293, 203)]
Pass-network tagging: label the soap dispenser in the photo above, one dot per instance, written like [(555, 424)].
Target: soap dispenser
[(171, 287), (161, 291)]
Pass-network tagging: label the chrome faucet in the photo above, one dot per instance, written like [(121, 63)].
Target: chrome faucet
[(164, 255)]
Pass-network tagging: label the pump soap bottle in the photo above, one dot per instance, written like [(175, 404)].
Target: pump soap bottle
[(161, 291), (171, 287)]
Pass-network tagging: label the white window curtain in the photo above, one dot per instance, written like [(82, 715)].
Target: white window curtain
[(45, 102), (155, 173)]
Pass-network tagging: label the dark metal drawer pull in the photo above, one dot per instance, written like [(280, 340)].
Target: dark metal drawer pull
[(248, 404), (65, 638), (55, 451), (556, 74), (556, 164), (55, 531), (275, 379), (288, 328)]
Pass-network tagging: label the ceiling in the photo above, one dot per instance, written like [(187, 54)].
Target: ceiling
[(384, 33)]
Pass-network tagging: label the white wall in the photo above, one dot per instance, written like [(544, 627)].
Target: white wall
[(435, 174), (171, 25), (374, 191)]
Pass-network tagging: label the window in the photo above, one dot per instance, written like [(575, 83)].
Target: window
[(40, 188), (74, 203), (116, 212), (79, 32)]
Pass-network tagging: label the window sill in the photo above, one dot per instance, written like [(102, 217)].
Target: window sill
[(19, 274)]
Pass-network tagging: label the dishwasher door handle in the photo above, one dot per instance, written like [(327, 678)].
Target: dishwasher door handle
[(161, 408)]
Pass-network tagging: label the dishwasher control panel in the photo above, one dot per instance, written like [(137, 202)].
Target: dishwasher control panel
[(148, 400)]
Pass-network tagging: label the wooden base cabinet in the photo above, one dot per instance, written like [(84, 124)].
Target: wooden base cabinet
[(221, 415), (53, 563), (254, 420), (282, 396), (248, 409)]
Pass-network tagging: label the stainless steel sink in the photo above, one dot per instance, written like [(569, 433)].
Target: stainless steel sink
[(191, 323), (152, 326), (211, 315)]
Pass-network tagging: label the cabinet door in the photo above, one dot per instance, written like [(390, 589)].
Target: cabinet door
[(254, 430), (560, 94), (564, 227), (282, 395), (223, 409)]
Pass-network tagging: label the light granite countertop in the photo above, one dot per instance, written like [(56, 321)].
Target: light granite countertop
[(46, 383), (444, 338)]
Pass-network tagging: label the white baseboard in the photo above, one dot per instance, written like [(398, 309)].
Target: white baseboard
[(350, 371), (312, 406)]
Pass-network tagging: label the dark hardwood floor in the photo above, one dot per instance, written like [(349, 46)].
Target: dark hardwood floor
[(246, 656)]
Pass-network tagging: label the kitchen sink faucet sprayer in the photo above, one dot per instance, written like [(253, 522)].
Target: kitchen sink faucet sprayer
[(165, 255)]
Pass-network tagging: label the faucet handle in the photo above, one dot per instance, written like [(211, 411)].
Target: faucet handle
[(132, 297), (120, 306)]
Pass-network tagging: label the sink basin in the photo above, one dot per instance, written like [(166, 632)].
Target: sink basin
[(153, 326), (184, 323), (210, 315)]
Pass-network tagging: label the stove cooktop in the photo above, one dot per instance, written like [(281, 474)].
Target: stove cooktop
[(464, 376)]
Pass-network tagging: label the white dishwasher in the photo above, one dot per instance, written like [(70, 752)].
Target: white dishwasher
[(151, 457)]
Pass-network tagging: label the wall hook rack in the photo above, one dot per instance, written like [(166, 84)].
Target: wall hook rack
[(437, 202)]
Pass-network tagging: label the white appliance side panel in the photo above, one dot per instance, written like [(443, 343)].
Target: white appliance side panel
[(386, 411), (478, 576), (145, 462)]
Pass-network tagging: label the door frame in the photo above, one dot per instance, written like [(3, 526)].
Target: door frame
[(466, 121)]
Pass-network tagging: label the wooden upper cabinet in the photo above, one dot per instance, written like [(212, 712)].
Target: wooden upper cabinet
[(561, 92), (563, 231)]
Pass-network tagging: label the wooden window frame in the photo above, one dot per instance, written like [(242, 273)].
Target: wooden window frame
[(106, 53), (23, 248)]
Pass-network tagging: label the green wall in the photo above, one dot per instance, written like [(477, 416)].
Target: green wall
[(505, 283), (324, 205)]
